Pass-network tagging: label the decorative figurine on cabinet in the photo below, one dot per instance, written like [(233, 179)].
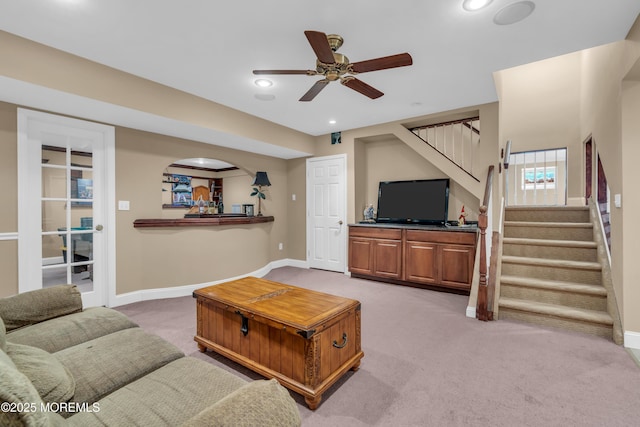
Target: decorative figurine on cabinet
[(462, 219), (369, 214)]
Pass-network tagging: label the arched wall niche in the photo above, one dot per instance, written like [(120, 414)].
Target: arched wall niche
[(185, 181)]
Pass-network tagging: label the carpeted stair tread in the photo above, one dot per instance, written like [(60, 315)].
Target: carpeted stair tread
[(557, 285), (563, 208), (573, 313), (548, 224), (549, 242), (553, 263)]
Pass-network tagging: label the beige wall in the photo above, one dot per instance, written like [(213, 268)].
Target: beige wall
[(164, 257), (540, 109), (630, 247)]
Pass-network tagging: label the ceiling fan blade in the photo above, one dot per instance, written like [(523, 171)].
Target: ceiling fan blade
[(362, 87), (273, 72), (393, 61), (320, 46), (315, 89)]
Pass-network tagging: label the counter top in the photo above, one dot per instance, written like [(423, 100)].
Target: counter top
[(207, 220), (471, 228)]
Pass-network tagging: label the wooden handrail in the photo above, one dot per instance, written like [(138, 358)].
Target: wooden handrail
[(507, 155), (482, 309), (450, 122)]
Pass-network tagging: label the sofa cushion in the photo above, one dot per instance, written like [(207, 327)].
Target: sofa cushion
[(105, 364), (17, 391), (33, 307), (262, 402), (168, 396), (67, 331), (51, 379)]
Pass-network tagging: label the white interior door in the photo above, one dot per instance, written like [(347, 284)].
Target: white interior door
[(326, 207), (62, 168)]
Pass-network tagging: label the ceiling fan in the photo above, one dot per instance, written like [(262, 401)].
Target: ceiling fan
[(335, 66)]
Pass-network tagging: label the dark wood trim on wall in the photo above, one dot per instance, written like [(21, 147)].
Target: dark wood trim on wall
[(200, 222)]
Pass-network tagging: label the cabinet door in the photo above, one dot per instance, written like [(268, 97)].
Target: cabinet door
[(421, 262), (457, 265), (361, 256), (388, 258)]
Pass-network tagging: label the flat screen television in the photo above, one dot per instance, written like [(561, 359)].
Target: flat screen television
[(414, 202)]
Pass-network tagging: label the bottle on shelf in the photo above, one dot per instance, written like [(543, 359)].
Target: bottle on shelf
[(201, 207), (220, 206)]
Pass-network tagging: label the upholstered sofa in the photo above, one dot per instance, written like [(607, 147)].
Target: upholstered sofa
[(61, 364)]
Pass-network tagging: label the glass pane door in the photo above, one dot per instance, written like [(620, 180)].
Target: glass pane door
[(63, 204), (67, 213)]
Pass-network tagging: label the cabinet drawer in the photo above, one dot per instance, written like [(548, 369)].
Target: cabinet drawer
[(376, 233), (451, 237)]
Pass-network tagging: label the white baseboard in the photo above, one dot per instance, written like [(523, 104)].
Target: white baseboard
[(471, 312), (186, 290), (632, 340)]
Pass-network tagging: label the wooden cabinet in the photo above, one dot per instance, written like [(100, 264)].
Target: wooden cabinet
[(415, 257), (376, 252), (421, 262)]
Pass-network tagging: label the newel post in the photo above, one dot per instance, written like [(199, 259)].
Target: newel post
[(481, 310)]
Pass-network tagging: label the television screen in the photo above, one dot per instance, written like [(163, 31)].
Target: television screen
[(419, 201)]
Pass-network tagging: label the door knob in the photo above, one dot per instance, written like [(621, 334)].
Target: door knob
[(340, 222), (99, 227)]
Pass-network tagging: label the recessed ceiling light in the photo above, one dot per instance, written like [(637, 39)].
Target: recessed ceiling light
[(332, 122), (473, 5), (513, 13), (263, 83)]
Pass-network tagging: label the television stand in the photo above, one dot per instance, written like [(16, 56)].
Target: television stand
[(423, 256)]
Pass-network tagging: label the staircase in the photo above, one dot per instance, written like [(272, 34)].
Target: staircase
[(457, 140), (550, 273)]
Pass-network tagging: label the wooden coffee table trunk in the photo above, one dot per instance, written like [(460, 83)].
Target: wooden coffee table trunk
[(305, 339)]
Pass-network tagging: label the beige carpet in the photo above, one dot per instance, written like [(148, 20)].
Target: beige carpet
[(426, 364)]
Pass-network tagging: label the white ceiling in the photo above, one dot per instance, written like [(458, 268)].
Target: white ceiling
[(209, 48)]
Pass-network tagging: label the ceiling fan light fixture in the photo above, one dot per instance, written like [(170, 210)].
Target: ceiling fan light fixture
[(473, 5), (263, 83)]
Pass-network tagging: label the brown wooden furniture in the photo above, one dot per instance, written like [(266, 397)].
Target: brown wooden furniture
[(201, 191), (305, 339), (207, 220), (418, 257)]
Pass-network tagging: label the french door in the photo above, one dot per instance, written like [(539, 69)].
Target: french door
[(62, 169), (326, 207)]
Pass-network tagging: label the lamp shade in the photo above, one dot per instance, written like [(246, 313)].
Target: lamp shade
[(261, 179)]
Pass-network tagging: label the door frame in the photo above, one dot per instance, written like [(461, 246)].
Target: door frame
[(309, 232), (26, 281)]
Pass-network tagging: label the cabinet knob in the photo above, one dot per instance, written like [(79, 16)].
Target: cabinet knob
[(340, 222), (99, 227)]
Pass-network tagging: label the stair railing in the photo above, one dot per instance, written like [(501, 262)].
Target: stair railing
[(483, 311), (457, 140)]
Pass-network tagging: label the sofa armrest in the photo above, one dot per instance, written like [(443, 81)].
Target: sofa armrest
[(258, 403), (39, 305)]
